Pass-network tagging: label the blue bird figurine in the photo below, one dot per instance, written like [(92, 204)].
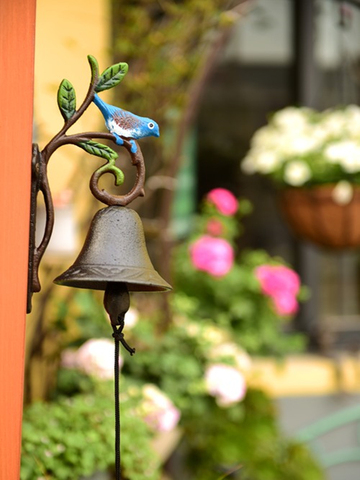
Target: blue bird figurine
[(125, 124)]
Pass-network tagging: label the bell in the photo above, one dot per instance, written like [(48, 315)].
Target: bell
[(114, 252)]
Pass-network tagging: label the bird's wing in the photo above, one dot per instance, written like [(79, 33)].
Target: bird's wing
[(126, 121)]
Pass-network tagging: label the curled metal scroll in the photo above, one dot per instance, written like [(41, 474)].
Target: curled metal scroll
[(137, 190)]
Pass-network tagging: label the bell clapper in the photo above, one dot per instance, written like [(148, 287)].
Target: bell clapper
[(117, 303)]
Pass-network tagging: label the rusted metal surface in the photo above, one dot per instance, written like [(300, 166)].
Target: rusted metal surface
[(114, 251)]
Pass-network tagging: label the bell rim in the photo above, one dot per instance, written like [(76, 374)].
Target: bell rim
[(92, 277)]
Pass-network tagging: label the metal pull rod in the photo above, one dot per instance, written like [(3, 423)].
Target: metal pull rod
[(117, 303)]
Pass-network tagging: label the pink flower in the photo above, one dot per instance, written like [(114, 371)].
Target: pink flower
[(158, 410), (286, 304), (282, 284), (277, 278), (212, 255), (214, 227), (223, 200), (225, 383), (94, 357)]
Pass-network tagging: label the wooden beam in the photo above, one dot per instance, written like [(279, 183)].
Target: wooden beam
[(17, 36)]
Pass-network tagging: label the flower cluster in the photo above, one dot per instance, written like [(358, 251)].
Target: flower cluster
[(301, 146), (282, 285), (210, 253), (226, 364), (96, 358), (157, 409)]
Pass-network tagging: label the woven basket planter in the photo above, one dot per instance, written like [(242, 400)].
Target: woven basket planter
[(314, 216)]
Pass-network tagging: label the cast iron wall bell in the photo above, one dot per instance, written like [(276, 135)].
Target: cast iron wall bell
[(114, 257)]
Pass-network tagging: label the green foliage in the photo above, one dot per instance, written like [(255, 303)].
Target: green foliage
[(111, 77), (78, 319), (246, 442), (175, 361), (74, 437), (243, 437), (164, 44), (88, 305), (66, 98), (234, 301)]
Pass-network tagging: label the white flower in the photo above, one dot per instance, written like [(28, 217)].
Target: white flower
[(339, 150), (351, 164), (296, 173), (248, 165), (291, 118), (266, 161), (300, 144), (294, 135), (342, 193), (353, 124), (225, 383), (346, 153), (131, 317), (158, 410), (335, 122), (321, 134), (265, 138), (94, 357)]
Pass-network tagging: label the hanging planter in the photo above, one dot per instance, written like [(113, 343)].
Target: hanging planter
[(314, 159), (317, 215)]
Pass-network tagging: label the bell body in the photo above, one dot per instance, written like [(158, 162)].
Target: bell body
[(114, 251)]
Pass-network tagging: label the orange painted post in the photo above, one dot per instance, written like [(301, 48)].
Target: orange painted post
[(17, 35)]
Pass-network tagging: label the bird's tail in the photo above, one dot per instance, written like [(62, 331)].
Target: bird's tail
[(105, 109)]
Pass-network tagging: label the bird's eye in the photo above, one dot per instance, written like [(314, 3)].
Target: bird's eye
[(151, 125)]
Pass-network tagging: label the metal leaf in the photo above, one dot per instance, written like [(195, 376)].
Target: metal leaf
[(114, 170), (94, 66), (66, 98), (98, 149), (111, 76)]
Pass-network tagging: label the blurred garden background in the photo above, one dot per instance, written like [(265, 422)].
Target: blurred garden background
[(249, 369)]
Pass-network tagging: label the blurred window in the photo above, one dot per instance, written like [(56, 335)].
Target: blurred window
[(260, 72)]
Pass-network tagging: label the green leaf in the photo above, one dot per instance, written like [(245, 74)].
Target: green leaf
[(94, 66), (98, 149), (66, 98), (114, 170), (111, 76)]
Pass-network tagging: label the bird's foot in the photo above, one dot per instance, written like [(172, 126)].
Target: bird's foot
[(133, 148), (118, 140)]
